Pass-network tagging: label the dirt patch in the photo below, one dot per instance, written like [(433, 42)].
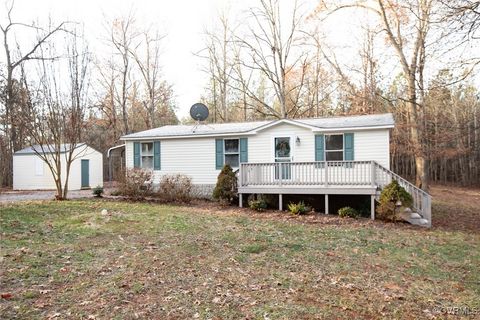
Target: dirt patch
[(10, 196), (456, 208), (453, 209)]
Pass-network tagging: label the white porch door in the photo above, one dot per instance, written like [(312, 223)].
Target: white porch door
[(283, 155)]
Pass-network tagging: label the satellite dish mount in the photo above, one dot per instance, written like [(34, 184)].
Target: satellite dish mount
[(199, 113)]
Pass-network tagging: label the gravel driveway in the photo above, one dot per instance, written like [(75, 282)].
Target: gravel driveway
[(15, 196)]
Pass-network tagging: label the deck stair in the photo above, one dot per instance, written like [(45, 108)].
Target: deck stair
[(329, 178), (422, 201)]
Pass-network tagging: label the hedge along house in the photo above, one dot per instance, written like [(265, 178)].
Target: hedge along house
[(30, 172), (320, 156)]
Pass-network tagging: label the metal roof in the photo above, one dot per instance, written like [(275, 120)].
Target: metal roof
[(351, 122), (47, 148)]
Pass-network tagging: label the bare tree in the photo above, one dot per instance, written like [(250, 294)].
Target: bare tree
[(15, 58), (465, 16), (399, 20), (55, 118), (122, 37), (274, 52), (219, 53), (149, 66)]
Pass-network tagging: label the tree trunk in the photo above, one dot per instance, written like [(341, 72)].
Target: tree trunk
[(421, 167)]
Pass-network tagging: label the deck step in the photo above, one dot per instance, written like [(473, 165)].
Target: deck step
[(413, 218)]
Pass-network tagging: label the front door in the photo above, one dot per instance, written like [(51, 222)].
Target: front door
[(85, 173), (283, 155)]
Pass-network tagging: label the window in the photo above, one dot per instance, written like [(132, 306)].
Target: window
[(232, 152), (147, 155), (334, 147)]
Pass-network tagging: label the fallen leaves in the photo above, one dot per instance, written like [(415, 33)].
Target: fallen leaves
[(178, 262), (6, 295)]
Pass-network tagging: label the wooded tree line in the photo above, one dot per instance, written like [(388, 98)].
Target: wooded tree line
[(55, 90), (416, 58)]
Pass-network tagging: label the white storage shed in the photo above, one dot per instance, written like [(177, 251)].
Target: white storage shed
[(30, 172)]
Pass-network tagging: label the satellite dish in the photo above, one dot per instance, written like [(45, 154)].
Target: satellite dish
[(199, 112)]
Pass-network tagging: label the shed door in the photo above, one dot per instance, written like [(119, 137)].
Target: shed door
[(85, 173)]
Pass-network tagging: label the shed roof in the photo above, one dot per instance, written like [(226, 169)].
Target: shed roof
[(317, 124), (49, 148)]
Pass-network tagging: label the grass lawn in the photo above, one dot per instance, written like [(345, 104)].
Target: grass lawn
[(65, 260)]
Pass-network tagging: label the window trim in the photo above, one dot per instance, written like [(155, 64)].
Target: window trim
[(334, 150), (141, 155), (231, 153)]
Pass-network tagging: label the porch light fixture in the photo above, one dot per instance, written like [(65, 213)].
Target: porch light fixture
[(297, 140)]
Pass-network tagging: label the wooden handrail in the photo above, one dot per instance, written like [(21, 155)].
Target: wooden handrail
[(331, 174)]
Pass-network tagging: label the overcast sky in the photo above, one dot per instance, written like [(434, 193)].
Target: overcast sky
[(183, 21)]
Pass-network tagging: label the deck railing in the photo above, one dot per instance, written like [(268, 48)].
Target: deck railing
[(330, 173), (422, 201)]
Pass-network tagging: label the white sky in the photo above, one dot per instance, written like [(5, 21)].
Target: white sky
[(183, 21)]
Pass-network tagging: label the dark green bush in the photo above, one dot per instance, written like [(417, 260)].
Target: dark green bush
[(348, 212), (97, 191), (298, 208), (259, 204), (392, 195), (226, 188)]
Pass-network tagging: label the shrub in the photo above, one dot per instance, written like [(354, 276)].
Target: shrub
[(137, 183), (392, 194), (176, 187), (258, 205), (271, 200), (298, 208), (97, 191), (348, 212), (226, 188)]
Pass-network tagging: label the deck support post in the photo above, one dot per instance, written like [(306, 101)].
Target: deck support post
[(326, 203), (372, 207), (280, 202), (240, 200)]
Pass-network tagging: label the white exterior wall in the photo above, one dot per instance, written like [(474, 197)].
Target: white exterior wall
[(25, 176), (195, 157), (260, 146), (372, 145)]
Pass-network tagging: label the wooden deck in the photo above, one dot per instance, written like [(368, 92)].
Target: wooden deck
[(344, 177), (325, 178)]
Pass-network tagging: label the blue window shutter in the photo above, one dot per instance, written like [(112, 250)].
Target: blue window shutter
[(156, 155), (136, 154), (243, 149), (319, 147), (218, 154), (348, 147)]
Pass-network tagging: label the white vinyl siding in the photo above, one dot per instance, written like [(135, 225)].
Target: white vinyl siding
[(25, 171), (260, 146), (39, 166), (195, 157), (373, 145)]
